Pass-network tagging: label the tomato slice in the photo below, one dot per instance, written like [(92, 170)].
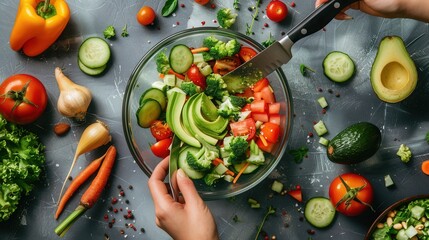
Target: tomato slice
[(196, 76), (259, 85), (246, 53), (161, 148), (259, 106), (225, 65), (160, 130), (243, 128), (270, 132), (264, 145)]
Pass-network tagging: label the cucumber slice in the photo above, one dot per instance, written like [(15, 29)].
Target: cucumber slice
[(319, 212), (148, 112), (338, 66), (91, 71), (249, 169), (181, 58), (94, 52), (155, 94)]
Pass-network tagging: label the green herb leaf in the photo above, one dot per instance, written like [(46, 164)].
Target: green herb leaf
[(169, 7), (249, 27), (269, 41), (299, 154), (124, 31), (236, 4), (270, 210), (303, 69), (427, 137)]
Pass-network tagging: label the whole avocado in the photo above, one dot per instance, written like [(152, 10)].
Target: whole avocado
[(354, 144)]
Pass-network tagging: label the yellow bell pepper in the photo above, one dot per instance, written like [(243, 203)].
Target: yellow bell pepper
[(38, 25)]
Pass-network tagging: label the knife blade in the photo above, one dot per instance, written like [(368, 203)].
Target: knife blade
[(279, 53), (172, 168)]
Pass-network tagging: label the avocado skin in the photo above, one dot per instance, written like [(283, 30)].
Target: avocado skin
[(354, 144)]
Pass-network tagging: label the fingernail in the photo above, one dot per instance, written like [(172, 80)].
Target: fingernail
[(347, 17), (181, 173)]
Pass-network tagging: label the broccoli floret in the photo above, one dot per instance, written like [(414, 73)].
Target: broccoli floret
[(256, 155), (220, 49), (109, 32), (231, 107), (211, 178), (190, 88), (232, 47), (226, 17), (238, 147), (201, 161), (210, 41), (404, 152), (215, 87), (162, 63)]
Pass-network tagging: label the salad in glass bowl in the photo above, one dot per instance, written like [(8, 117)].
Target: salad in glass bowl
[(230, 141)]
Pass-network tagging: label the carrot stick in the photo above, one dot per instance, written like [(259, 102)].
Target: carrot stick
[(77, 182), (178, 75), (217, 161), (240, 172), (229, 172), (199, 50), (425, 167)]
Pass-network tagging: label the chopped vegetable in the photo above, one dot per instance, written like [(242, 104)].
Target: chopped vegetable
[(319, 212), (320, 128), (253, 203), (22, 162), (404, 152), (304, 69), (162, 62), (146, 15), (216, 87), (220, 49), (124, 32), (277, 186), (109, 32), (425, 167), (322, 102), (296, 194), (270, 211), (388, 181), (190, 88), (231, 107), (226, 17), (338, 67), (323, 141), (299, 154)]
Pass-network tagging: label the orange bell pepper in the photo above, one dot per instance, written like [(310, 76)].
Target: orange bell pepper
[(38, 24)]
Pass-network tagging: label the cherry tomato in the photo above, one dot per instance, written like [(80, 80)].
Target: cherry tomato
[(270, 131), (246, 53), (202, 2), (360, 194), (243, 128), (259, 85), (161, 148), (146, 15), (196, 76), (23, 98), (225, 65), (160, 130), (276, 11)]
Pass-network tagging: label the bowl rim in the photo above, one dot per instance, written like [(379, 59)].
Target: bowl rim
[(394, 205), (226, 32)]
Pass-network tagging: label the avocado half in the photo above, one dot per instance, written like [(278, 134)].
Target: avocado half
[(393, 73)]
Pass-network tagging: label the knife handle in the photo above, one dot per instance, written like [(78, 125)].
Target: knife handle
[(318, 19)]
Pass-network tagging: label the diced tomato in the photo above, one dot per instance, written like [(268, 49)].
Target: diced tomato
[(160, 130), (259, 106), (296, 194), (246, 53), (247, 93), (265, 146), (161, 148), (263, 117), (243, 128), (225, 65), (246, 108), (257, 96), (274, 108), (275, 118), (270, 131), (259, 85), (268, 95)]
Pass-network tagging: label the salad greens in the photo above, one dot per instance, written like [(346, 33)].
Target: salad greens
[(22, 162)]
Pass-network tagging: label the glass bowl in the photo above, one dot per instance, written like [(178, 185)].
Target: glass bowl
[(139, 139)]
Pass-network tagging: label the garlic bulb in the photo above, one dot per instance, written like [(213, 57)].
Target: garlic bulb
[(74, 99)]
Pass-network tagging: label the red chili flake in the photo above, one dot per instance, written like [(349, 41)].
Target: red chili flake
[(128, 211), (213, 6), (292, 4), (115, 210), (106, 217), (114, 200), (323, 111), (310, 134), (182, 5), (122, 193), (203, 23), (314, 122), (266, 25), (113, 220), (298, 187), (133, 227), (266, 238), (311, 231)]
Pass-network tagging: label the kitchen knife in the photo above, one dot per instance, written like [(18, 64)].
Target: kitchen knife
[(172, 169), (279, 53)]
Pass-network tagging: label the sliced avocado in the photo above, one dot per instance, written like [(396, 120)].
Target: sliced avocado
[(354, 144), (217, 126), (208, 109), (393, 73), (176, 101)]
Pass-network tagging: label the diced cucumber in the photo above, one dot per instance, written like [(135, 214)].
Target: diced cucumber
[(401, 235), (205, 68), (148, 112), (198, 57), (417, 212), (155, 94), (388, 181), (322, 102), (181, 58), (277, 186), (320, 128), (411, 232), (170, 80), (228, 178), (183, 164), (220, 169), (94, 52), (319, 212), (323, 141), (338, 66), (91, 71), (253, 203), (160, 85)]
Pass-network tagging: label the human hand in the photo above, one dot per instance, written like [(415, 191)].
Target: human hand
[(188, 217), (416, 9)]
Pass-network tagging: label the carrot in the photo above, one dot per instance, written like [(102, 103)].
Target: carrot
[(217, 161), (77, 182), (425, 167), (178, 75), (92, 194), (229, 172), (240, 172), (199, 50)]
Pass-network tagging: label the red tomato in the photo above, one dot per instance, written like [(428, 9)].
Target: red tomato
[(275, 118), (268, 95), (246, 53), (243, 128), (196, 76), (270, 132), (274, 108), (262, 117), (23, 98), (276, 11), (259, 85), (160, 130), (161, 148), (247, 93), (225, 65), (202, 2), (360, 198), (146, 15), (259, 106), (265, 146)]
